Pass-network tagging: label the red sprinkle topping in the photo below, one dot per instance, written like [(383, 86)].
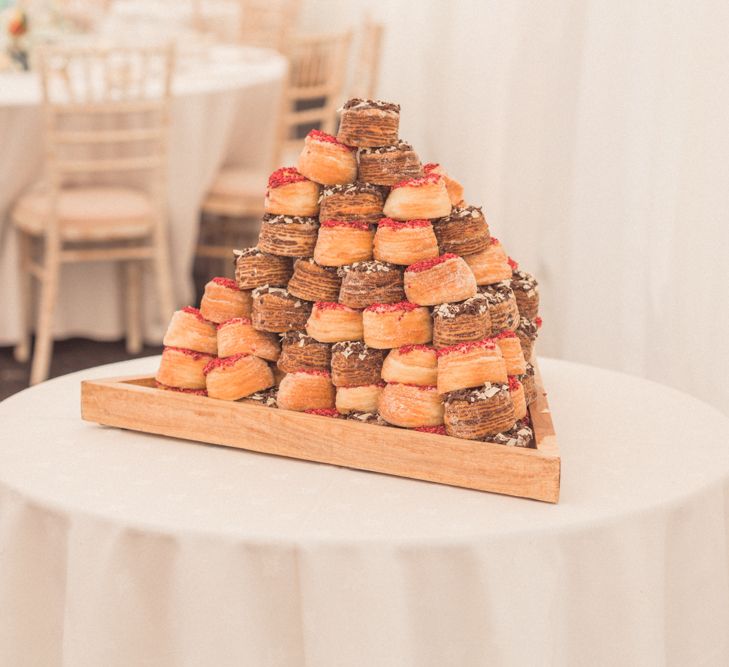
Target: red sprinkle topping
[(314, 371), (196, 313), (486, 343), (440, 430), (418, 181), (235, 320), (407, 349), (538, 322), (505, 334), (406, 306), (513, 264), (514, 384), (226, 282), (421, 387), (182, 390), (224, 362), (318, 135), (495, 241), (403, 224), (332, 305), (427, 168), (425, 264), (352, 224), (285, 176), (190, 353), (323, 412)]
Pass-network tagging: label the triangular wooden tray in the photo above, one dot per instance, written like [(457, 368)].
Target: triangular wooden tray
[(135, 403)]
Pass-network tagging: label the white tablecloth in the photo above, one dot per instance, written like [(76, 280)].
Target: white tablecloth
[(224, 109), (118, 548)]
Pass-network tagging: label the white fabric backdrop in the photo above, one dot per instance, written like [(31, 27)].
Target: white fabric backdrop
[(595, 134)]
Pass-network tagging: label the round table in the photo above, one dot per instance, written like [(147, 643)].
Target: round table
[(224, 109), (119, 548)]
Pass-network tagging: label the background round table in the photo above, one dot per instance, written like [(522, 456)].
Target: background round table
[(118, 548), (224, 108)]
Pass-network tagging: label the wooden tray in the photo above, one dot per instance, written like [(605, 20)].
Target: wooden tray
[(135, 403)]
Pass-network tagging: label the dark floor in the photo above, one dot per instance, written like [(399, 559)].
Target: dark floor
[(70, 355)]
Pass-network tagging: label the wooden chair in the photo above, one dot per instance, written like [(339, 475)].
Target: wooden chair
[(366, 72), (265, 23), (104, 193), (314, 89), (269, 23)]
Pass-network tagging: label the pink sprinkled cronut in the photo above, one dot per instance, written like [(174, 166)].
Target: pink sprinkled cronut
[(324, 412), (285, 176), (332, 305), (182, 390), (425, 264), (196, 312), (226, 282), (439, 430), (351, 224), (402, 306), (407, 349), (190, 353), (514, 384), (513, 264), (402, 224), (462, 348), (235, 320), (312, 371), (224, 362), (418, 181), (318, 135)]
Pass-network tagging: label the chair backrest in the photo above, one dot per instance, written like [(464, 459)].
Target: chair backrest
[(315, 88), (365, 76), (269, 23), (107, 114)]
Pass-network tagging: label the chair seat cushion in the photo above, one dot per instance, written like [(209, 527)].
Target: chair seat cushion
[(239, 182), (236, 192), (87, 213)]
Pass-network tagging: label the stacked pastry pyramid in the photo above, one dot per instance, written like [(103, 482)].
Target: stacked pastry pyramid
[(375, 293)]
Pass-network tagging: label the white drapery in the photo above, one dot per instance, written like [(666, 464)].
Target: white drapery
[(595, 134)]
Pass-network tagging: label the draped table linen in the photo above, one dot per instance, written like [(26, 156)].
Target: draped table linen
[(120, 548)]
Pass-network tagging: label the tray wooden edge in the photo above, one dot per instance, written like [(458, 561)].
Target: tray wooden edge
[(134, 403)]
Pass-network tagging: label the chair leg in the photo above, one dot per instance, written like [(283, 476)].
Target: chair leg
[(44, 330), (25, 298), (226, 241), (214, 240), (133, 305), (163, 273)]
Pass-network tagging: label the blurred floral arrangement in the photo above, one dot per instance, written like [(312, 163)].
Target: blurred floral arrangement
[(18, 23), (15, 25), (27, 24)]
